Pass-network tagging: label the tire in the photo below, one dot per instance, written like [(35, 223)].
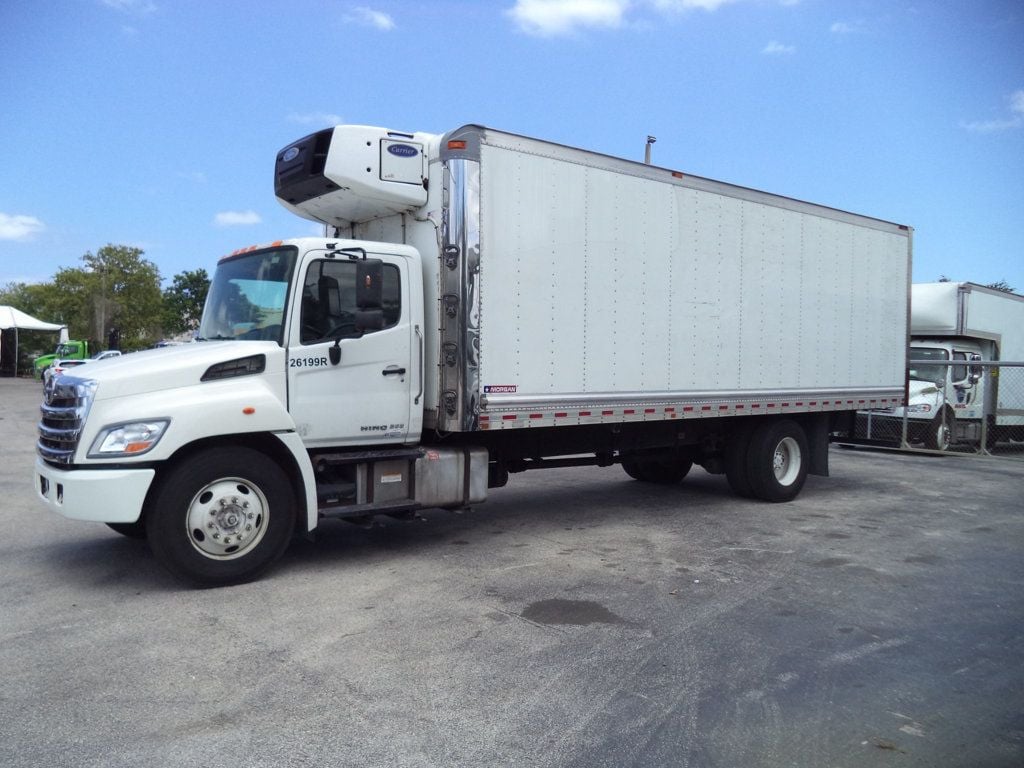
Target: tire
[(777, 460), (660, 471), (939, 435), (221, 517), (131, 530), (735, 457)]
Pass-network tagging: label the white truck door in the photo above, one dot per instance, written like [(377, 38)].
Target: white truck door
[(365, 398)]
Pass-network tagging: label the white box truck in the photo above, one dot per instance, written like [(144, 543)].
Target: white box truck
[(482, 303), (948, 403)]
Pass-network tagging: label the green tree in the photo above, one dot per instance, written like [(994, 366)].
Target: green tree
[(40, 300), (116, 288), (184, 300)]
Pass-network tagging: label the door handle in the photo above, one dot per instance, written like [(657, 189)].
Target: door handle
[(393, 370)]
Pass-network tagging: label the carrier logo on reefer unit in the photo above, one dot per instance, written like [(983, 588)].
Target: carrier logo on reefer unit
[(403, 150)]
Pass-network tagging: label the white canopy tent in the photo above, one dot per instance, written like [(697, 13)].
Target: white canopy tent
[(11, 321)]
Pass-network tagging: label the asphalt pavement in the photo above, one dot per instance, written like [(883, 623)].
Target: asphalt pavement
[(578, 618)]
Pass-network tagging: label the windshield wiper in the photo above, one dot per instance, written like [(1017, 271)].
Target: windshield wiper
[(218, 337)]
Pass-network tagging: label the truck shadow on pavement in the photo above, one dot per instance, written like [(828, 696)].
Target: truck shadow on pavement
[(536, 508)]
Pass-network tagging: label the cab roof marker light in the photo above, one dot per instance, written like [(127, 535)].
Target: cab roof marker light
[(456, 144)]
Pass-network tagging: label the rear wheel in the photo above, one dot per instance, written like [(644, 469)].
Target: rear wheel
[(221, 517), (777, 460), (736, 471)]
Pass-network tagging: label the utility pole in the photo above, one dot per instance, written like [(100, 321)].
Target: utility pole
[(647, 150)]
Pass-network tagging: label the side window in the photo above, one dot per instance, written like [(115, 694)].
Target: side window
[(959, 371), (329, 300)]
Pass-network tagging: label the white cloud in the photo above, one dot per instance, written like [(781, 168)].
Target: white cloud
[(236, 218), (19, 227), (371, 18), (687, 5), (847, 27), (558, 17), (549, 18), (196, 177), (130, 6), (316, 118), (1015, 120), (775, 48), (1017, 102)]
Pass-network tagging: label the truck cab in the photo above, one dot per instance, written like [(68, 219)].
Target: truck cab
[(946, 403)]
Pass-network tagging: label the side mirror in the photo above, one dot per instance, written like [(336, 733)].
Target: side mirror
[(369, 320), (370, 284), (976, 370)]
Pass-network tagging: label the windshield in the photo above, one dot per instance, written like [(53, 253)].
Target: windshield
[(924, 372), (248, 296), (65, 350)]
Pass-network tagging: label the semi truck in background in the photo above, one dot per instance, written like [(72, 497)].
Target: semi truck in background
[(482, 303), (955, 327)]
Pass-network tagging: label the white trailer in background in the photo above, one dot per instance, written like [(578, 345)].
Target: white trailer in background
[(483, 303), (964, 323)]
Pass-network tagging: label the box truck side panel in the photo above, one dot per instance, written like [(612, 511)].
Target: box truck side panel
[(597, 281), (996, 315)]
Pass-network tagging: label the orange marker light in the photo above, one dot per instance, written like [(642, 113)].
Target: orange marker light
[(456, 144), (248, 410)]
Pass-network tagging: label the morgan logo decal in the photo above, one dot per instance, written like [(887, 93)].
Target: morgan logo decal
[(500, 389)]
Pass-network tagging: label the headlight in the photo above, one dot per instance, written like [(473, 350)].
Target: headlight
[(919, 408), (128, 439)]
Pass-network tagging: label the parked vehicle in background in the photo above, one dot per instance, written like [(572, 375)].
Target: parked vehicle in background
[(73, 349), (955, 329), (482, 303)]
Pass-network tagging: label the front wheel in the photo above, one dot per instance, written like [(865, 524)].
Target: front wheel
[(221, 517), (939, 435)]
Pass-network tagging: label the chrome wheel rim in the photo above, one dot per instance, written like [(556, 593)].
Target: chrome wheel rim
[(227, 518), (786, 461)]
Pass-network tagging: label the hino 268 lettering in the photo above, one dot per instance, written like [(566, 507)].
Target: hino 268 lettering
[(482, 303)]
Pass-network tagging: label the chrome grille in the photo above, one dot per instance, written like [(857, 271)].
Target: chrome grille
[(66, 402)]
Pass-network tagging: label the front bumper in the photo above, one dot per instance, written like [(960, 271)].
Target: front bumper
[(100, 495)]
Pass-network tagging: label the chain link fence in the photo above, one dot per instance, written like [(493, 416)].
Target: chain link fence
[(974, 407)]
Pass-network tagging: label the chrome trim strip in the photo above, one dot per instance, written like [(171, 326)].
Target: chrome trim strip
[(460, 297), (500, 403), (420, 344)]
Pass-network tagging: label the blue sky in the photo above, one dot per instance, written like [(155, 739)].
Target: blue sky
[(155, 123)]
